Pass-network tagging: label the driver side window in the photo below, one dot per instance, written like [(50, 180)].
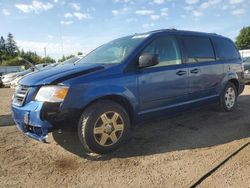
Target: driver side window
[(167, 49)]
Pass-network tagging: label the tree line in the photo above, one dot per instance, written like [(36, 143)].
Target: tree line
[(9, 53)]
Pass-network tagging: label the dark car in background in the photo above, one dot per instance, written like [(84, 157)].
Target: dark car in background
[(246, 63), (130, 79), (1, 82)]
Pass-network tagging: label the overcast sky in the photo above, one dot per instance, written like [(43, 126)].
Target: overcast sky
[(66, 27)]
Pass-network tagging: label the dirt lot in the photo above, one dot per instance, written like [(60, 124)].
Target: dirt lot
[(168, 153)]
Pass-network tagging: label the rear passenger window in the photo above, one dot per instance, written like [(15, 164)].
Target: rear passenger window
[(167, 49), (199, 49), (225, 49)]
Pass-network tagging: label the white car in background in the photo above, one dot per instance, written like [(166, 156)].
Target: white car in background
[(14, 83), (75, 59), (8, 78)]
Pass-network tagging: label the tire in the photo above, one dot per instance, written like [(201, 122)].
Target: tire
[(228, 98), (101, 124)]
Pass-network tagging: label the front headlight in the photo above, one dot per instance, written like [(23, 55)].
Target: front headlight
[(52, 93)]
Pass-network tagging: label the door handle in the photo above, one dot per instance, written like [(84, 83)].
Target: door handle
[(181, 73), (194, 71)]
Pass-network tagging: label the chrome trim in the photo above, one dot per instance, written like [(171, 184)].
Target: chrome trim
[(20, 95)]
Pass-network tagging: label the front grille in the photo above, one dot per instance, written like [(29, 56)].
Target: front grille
[(20, 95)]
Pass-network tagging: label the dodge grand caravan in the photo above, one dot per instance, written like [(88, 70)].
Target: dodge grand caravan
[(127, 80)]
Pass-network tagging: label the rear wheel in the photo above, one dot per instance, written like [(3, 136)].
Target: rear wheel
[(228, 98), (103, 127)]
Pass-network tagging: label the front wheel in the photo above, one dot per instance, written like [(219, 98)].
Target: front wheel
[(228, 98), (103, 127)]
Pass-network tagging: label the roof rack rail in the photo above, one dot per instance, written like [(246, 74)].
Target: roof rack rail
[(180, 31), (171, 29)]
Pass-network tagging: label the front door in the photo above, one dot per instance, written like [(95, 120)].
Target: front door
[(165, 84)]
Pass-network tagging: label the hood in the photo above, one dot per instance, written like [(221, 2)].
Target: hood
[(58, 74)]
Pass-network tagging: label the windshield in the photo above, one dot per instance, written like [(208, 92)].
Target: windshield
[(113, 52), (71, 60)]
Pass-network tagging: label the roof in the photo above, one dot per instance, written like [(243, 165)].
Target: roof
[(183, 32)]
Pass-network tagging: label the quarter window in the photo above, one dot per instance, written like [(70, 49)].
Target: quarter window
[(167, 49), (199, 49), (225, 49)]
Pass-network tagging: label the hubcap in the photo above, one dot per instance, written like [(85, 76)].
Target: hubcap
[(108, 128), (230, 98)]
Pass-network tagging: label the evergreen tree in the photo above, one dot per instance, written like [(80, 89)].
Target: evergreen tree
[(2, 49), (22, 53), (2, 44), (10, 45)]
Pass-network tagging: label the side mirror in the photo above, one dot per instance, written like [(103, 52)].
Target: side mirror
[(147, 60)]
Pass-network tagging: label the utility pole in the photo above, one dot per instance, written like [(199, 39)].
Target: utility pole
[(45, 52)]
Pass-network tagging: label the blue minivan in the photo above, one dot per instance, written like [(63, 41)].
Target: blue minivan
[(130, 79)]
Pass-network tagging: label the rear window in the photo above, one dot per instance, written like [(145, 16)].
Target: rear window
[(246, 60), (199, 49), (225, 49)]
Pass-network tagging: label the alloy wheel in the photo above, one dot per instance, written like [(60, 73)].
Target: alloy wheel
[(230, 97), (108, 128)]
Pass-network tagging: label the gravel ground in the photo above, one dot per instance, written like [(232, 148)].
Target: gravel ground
[(167, 153)]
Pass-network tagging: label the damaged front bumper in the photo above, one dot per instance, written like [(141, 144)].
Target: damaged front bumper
[(28, 121)]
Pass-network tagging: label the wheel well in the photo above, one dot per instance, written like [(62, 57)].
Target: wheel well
[(120, 100), (236, 83)]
